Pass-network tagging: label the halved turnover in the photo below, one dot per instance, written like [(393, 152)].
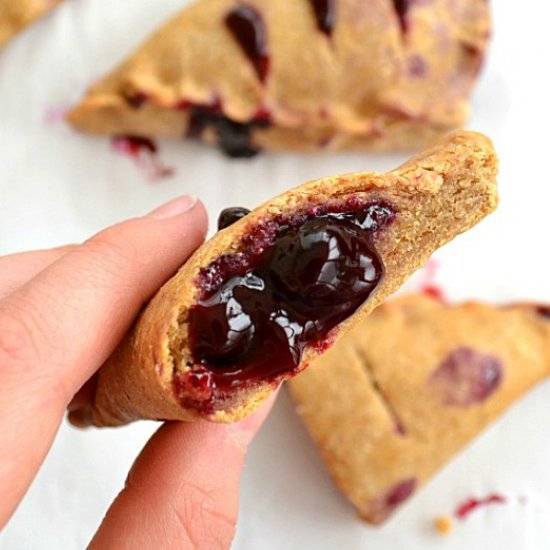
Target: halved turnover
[(261, 299)]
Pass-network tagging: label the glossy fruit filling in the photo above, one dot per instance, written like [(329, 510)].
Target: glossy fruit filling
[(234, 138), (229, 216), (247, 26), (325, 14), (294, 281), (402, 10)]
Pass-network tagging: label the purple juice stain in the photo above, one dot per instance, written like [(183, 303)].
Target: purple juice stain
[(417, 66), (467, 377), (399, 494), (247, 26)]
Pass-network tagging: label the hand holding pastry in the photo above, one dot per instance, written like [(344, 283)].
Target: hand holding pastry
[(62, 313)]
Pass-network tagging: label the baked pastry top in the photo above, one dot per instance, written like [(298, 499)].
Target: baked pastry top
[(15, 15), (255, 304), (411, 385), (298, 75)]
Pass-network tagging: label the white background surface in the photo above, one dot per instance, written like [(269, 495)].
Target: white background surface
[(57, 186)]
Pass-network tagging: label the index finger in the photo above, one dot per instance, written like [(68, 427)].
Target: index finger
[(59, 328)]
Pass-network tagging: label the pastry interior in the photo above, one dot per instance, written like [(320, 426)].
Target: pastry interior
[(293, 280)]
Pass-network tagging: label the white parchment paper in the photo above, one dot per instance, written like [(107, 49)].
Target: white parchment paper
[(57, 186)]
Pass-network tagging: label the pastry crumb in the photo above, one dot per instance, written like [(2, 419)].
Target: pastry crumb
[(443, 525)]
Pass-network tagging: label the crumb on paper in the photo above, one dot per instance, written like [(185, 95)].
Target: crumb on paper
[(443, 525)]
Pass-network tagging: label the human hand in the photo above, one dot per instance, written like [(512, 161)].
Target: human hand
[(62, 313)]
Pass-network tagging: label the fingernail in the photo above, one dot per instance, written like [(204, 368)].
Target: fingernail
[(174, 207)]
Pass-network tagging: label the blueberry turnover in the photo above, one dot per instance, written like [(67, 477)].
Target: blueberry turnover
[(418, 380), (15, 15), (274, 289), (247, 75)]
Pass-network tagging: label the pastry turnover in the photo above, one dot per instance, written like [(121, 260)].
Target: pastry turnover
[(262, 298), (298, 75), (411, 385), (15, 15)]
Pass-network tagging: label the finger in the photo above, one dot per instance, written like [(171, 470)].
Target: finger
[(18, 269), (183, 490), (60, 327)]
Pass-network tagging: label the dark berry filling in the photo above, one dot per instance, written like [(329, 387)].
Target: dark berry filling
[(297, 278), (402, 10), (229, 216), (247, 26), (473, 59), (543, 311), (234, 138), (399, 494), (136, 99), (325, 14)]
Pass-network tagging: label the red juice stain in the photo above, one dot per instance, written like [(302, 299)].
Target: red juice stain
[(144, 153), (472, 504), (428, 286), (434, 292)]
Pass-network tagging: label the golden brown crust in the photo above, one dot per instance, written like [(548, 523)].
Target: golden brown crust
[(370, 86), (380, 417), (436, 196), (15, 15)]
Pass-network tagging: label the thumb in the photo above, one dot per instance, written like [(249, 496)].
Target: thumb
[(183, 490)]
